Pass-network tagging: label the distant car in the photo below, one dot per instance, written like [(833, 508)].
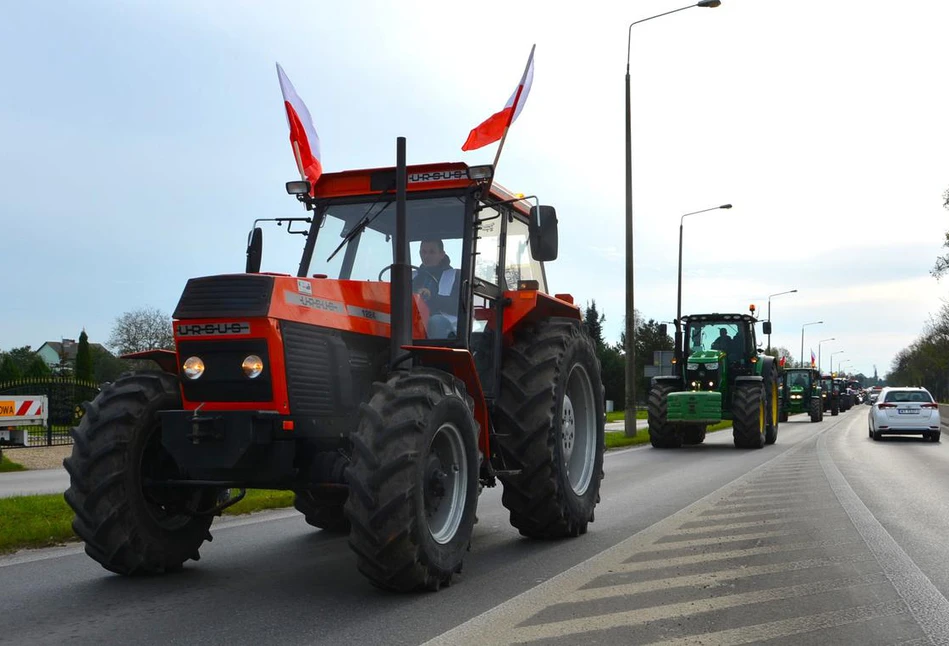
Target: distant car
[(905, 411)]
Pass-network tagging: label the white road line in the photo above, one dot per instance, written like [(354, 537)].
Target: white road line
[(929, 607), (788, 627), (642, 616)]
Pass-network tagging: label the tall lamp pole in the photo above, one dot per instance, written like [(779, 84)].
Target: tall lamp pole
[(802, 338), (832, 361), (792, 291), (630, 423), (678, 321), (819, 369), (842, 362)]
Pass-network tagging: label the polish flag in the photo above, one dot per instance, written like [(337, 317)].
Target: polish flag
[(494, 127), (303, 137)]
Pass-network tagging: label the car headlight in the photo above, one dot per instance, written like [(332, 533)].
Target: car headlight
[(193, 367), (252, 366)]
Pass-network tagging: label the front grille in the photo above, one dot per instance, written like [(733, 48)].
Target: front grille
[(225, 296), (329, 372), (223, 379)]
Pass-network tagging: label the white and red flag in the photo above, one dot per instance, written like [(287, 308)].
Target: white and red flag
[(303, 137), (495, 126)]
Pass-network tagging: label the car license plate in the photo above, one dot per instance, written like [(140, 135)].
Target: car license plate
[(907, 411)]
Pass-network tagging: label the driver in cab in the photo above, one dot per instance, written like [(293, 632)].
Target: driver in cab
[(438, 283)]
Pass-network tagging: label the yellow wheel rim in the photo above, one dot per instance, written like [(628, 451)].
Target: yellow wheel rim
[(774, 404), (761, 418)]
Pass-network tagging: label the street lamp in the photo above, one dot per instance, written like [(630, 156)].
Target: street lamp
[(842, 362), (793, 291), (802, 338), (832, 361), (630, 424), (818, 351), (678, 321)]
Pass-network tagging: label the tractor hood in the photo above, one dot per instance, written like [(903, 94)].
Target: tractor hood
[(705, 356)]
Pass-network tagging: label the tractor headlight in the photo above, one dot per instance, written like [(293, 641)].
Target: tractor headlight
[(711, 366), (193, 367), (252, 366), (691, 366), (795, 396)]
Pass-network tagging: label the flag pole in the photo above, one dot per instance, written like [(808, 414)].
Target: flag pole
[(517, 100)]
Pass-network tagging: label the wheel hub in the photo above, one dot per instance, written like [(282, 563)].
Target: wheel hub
[(568, 424)]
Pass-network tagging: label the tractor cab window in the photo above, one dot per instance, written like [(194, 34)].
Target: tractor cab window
[(518, 262), (728, 337), (801, 379), (356, 241)]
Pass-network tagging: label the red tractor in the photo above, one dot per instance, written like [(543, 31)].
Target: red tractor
[(384, 394)]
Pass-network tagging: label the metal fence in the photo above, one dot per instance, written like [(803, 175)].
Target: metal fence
[(65, 396)]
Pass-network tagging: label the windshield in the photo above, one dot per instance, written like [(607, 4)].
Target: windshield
[(802, 379), (715, 335), (368, 254)]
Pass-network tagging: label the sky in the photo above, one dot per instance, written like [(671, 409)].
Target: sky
[(140, 140)]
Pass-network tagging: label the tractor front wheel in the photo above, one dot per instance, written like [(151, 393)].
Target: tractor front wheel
[(662, 434), (129, 527), (413, 481), (748, 428), (772, 407), (326, 516), (816, 410), (550, 424)]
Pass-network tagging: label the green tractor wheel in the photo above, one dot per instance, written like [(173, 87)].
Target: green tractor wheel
[(662, 434), (748, 428)]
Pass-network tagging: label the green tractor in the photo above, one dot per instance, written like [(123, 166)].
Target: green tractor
[(721, 373), (801, 393)]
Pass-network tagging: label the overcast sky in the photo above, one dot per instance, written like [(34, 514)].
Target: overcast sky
[(139, 140)]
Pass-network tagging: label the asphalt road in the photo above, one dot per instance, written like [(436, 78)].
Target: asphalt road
[(824, 537)]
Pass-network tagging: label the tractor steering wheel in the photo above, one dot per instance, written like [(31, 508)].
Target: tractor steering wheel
[(388, 267)]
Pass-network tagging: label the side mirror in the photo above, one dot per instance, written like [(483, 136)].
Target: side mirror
[(255, 246), (543, 233), (766, 327)]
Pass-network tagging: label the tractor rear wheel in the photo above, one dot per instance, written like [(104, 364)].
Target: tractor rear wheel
[(326, 516), (694, 433), (550, 424), (662, 434), (834, 407), (413, 481), (127, 527), (783, 416), (748, 409)]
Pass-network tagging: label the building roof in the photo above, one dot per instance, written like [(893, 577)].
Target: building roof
[(68, 348)]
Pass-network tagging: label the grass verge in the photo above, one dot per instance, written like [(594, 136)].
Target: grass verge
[(8, 465), (44, 521), (620, 415)]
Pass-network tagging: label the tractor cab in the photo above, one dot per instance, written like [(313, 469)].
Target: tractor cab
[(801, 393)]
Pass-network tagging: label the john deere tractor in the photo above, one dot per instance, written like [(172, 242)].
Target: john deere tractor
[(801, 393), (720, 374), (384, 391)]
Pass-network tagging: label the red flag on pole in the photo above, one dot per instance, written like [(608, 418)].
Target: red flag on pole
[(303, 137), (813, 360), (494, 127)]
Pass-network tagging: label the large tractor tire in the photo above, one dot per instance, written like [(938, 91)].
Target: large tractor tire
[(816, 410), (662, 434), (783, 416), (127, 527), (694, 433), (413, 481), (772, 405), (328, 517), (550, 425), (748, 409), (834, 407)]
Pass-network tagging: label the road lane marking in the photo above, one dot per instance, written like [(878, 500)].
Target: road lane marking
[(929, 607)]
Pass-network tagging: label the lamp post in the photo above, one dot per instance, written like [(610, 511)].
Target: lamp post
[(802, 338), (793, 291), (818, 351), (842, 362), (630, 423), (678, 321), (832, 361)]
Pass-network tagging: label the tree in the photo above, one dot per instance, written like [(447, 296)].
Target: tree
[(147, 328), (942, 262), (650, 338), (9, 370), (106, 367), (38, 369), (84, 359), (22, 357), (593, 323)]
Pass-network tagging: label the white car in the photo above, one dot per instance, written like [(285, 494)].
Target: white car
[(905, 411)]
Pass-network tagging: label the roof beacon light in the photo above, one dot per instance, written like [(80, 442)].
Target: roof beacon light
[(481, 172)]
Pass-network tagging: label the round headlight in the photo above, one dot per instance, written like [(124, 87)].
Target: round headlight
[(252, 366), (193, 367)]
